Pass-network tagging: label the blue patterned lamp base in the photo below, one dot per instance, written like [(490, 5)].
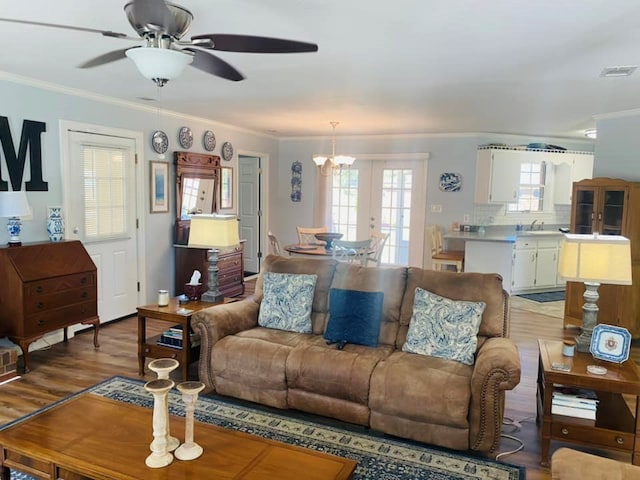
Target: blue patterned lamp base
[(14, 225)]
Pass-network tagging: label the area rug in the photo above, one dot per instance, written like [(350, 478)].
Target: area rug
[(379, 458), (544, 297)]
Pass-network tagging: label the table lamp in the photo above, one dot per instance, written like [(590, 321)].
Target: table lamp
[(594, 259), (12, 206), (212, 232)]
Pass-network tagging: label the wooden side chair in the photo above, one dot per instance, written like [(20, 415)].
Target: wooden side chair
[(274, 245), (306, 235), (352, 251), (378, 241), (440, 257)]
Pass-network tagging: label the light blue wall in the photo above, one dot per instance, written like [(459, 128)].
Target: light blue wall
[(447, 153), (19, 102), (617, 152)]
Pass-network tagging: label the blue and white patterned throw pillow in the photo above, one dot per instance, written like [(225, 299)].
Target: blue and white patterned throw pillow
[(444, 328), (287, 301)]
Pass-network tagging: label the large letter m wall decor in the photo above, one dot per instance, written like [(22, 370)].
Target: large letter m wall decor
[(30, 138)]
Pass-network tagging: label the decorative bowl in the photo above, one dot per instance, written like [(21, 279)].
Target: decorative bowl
[(328, 237)]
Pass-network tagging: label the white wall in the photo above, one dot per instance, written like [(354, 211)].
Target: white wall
[(447, 153), (21, 102), (617, 152)]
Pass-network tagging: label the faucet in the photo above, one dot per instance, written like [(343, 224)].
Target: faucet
[(532, 224)]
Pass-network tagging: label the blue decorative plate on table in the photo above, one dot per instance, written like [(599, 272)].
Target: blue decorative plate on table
[(610, 343)]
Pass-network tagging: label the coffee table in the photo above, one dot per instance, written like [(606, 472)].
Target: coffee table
[(93, 437), (615, 427)]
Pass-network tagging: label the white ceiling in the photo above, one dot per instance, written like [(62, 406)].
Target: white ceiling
[(406, 66)]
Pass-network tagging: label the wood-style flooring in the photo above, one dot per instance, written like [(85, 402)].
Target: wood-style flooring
[(66, 368)]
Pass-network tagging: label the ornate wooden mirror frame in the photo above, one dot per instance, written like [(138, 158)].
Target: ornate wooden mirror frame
[(196, 166)]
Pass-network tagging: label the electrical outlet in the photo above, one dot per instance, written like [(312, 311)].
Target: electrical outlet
[(466, 218), (436, 208)]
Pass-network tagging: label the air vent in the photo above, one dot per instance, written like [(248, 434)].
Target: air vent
[(620, 71)]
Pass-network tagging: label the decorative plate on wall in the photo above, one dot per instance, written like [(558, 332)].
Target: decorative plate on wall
[(450, 182), (227, 151), (185, 137), (159, 141), (209, 140)]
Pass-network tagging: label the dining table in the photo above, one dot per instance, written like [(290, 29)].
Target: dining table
[(308, 249)]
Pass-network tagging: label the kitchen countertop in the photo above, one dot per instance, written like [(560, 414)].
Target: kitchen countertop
[(501, 235)]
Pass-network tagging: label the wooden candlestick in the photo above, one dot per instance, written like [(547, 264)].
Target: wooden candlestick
[(163, 367), (160, 455), (189, 450)]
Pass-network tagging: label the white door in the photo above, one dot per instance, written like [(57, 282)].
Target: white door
[(100, 202), (386, 196), (249, 210)]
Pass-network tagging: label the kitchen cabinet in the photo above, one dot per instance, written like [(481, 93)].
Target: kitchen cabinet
[(610, 207), (574, 168), (535, 264), (498, 176)]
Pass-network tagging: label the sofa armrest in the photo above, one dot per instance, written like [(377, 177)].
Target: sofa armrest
[(496, 370), (215, 323), (568, 464)]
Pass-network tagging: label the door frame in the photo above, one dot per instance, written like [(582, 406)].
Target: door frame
[(138, 137), (263, 219)]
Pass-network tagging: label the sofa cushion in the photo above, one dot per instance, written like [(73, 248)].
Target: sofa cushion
[(444, 328), (354, 317), (287, 301), (424, 389)]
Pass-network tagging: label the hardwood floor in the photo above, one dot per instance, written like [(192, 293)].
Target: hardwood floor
[(66, 368)]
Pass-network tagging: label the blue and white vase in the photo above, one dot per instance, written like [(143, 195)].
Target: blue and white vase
[(55, 224)]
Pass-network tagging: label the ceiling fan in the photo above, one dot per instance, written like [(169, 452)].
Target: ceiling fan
[(163, 56)]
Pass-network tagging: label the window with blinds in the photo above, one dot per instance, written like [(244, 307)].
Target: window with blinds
[(105, 193)]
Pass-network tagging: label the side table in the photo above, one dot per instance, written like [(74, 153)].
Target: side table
[(175, 314), (615, 426)]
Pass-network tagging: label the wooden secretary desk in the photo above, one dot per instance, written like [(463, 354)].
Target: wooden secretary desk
[(198, 191), (46, 286)]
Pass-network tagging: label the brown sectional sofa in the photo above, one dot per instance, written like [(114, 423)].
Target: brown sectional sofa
[(429, 399)]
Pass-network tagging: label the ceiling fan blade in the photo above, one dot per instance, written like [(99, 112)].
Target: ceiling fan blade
[(106, 33), (253, 44), (155, 14), (209, 63), (105, 58)]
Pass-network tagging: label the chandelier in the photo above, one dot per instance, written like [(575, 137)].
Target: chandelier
[(334, 161)]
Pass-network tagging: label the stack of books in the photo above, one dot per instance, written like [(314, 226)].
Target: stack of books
[(173, 338), (574, 402)]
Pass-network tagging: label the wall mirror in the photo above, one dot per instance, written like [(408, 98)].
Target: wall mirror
[(197, 189), (226, 187)]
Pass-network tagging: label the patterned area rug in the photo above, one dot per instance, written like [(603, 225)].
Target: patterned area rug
[(379, 458), (544, 297)]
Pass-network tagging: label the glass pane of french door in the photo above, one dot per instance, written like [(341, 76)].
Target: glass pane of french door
[(382, 196)]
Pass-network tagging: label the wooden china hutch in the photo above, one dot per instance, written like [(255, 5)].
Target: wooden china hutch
[(610, 207), (198, 191)]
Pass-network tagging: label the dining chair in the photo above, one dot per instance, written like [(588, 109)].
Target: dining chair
[(274, 245), (352, 251), (439, 256), (306, 235), (378, 241)]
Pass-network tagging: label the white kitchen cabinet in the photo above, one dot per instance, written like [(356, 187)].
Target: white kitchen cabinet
[(535, 264), (524, 264), (498, 176), (574, 167)]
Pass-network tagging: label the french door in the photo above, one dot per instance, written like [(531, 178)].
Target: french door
[(386, 196)]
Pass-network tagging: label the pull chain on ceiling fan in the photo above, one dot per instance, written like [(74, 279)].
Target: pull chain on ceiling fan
[(164, 56)]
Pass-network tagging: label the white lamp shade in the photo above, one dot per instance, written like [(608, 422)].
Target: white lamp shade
[(14, 204), (595, 258), (208, 231), (160, 63)]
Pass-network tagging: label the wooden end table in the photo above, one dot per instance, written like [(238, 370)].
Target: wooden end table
[(615, 426), (175, 314)]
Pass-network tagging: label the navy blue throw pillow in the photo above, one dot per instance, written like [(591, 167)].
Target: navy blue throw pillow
[(355, 317)]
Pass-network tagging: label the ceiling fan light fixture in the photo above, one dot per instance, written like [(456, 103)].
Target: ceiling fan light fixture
[(319, 160), (159, 64)]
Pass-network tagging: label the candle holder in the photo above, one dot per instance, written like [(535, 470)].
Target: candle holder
[(189, 450), (160, 455), (163, 367)]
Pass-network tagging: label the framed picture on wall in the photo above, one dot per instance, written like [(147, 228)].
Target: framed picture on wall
[(159, 187), (226, 187)]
